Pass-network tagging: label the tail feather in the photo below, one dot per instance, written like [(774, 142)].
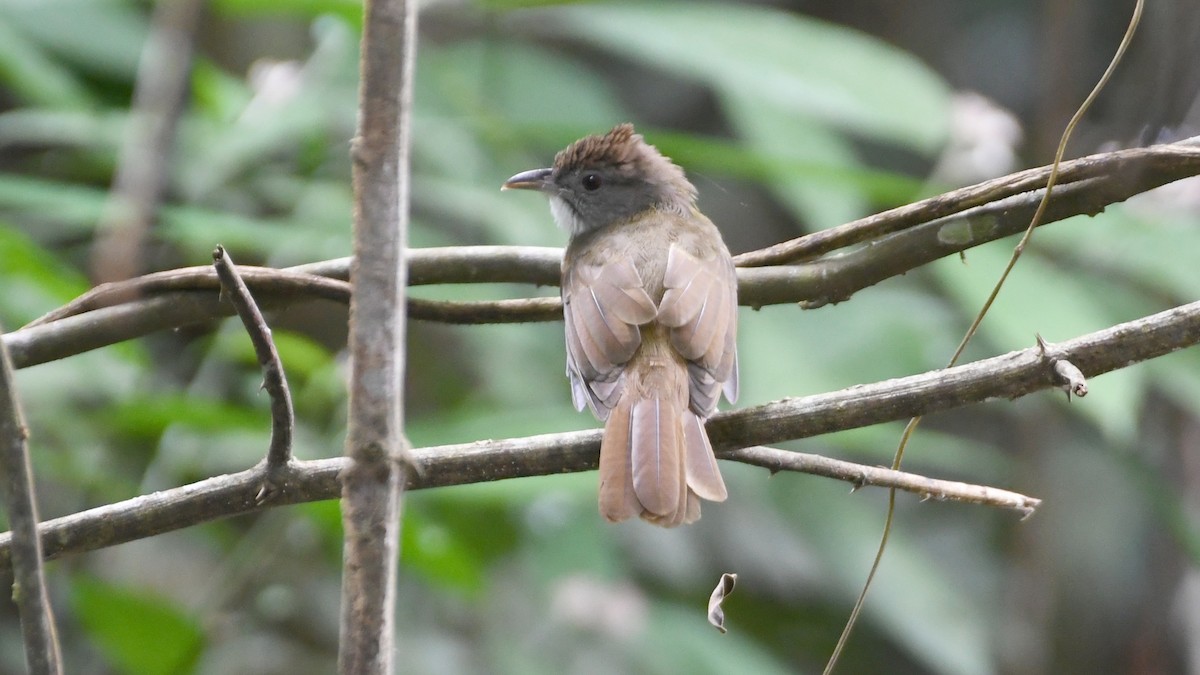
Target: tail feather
[(703, 475), (617, 499), (656, 462), (655, 448), (678, 514)]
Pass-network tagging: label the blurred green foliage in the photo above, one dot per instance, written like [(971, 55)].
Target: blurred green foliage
[(786, 124)]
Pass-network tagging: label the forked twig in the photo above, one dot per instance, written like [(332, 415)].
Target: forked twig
[(283, 419)]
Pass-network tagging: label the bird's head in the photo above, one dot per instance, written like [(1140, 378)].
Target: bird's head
[(603, 180)]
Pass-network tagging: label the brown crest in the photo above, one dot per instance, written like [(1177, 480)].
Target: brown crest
[(626, 150)]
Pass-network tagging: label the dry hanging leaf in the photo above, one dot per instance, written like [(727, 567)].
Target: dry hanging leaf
[(716, 613)]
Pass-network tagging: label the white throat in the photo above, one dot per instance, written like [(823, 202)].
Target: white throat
[(565, 216)]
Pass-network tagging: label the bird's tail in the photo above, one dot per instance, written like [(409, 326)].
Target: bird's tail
[(655, 457)]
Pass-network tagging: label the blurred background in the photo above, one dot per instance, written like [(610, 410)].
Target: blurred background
[(134, 136)]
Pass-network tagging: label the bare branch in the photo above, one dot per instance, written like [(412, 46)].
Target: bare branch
[(264, 280), (439, 265), (29, 579), (1121, 174), (93, 330), (375, 444), (837, 277), (283, 419), (90, 322), (522, 310), (861, 476), (1007, 376), (537, 265), (812, 283)]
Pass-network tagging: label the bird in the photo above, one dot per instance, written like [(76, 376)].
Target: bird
[(649, 298)]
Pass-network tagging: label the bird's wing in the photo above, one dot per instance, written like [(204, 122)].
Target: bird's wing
[(603, 305), (700, 307)]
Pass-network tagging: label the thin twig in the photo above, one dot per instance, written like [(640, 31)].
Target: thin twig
[(283, 420), (29, 579), (263, 280), (1007, 376), (862, 476)]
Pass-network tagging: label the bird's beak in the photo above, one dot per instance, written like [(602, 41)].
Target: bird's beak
[(537, 179)]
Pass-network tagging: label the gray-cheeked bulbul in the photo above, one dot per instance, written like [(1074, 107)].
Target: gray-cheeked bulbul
[(650, 303)]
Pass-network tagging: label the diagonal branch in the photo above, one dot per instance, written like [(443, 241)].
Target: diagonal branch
[(1007, 376), (1123, 172), (861, 476), (928, 234)]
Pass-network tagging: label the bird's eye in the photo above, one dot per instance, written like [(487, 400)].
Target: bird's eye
[(591, 182)]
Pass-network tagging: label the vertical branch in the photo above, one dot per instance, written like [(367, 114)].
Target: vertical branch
[(372, 483), (29, 581), (159, 99)]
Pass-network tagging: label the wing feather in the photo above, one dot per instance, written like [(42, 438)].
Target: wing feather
[(700, 306), (603, 307)]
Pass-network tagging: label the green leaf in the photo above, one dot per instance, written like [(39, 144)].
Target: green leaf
[(887, 331), (819, 203), (148, 416), (497, 82), (197, 230), (818, 70), (1153, 251), (103, 37), (301, 356), (34, 76), (442, 554), (96, 130), (74, 209), (70, 209), (696, 647), (34, 280), (777, 164), (215, 93), (138, 633), (349, 10), (298, 105)]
